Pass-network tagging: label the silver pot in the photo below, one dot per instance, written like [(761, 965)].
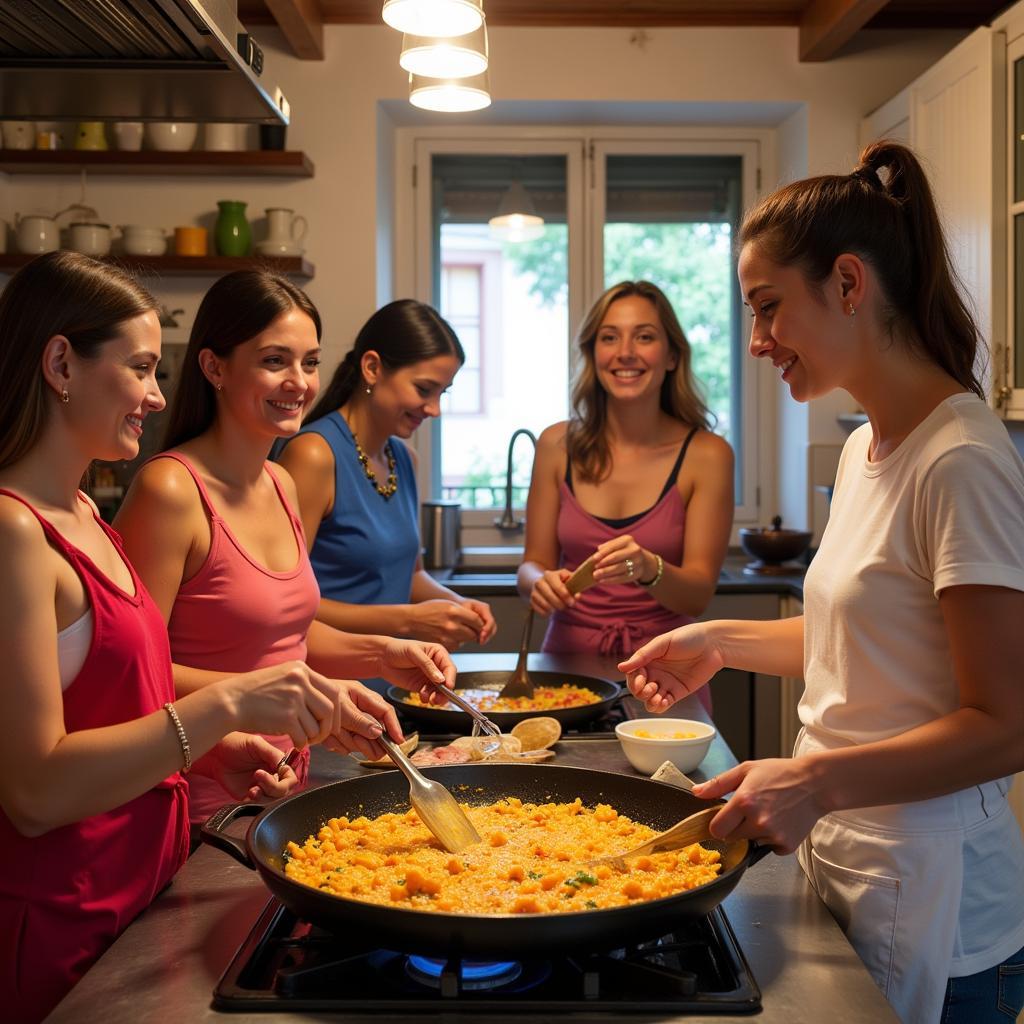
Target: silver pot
[(440, 522)]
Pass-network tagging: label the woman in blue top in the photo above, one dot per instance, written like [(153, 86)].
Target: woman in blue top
[(356, 482)]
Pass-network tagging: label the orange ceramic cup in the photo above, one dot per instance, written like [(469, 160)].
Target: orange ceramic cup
[(190, 241)]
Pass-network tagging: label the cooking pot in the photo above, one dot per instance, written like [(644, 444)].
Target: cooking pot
[(472, 685), (90, 238), (477, 935), (774, 544)]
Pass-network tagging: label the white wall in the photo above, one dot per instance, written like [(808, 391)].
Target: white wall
[(338, 121)]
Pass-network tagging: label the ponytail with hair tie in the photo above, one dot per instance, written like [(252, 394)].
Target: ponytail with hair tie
[(869, 176)]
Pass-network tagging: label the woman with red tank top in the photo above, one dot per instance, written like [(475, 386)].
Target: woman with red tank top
[(211, 525), (93, 818), (635, 479)]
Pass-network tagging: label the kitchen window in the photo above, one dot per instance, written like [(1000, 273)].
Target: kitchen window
[(614, 208)]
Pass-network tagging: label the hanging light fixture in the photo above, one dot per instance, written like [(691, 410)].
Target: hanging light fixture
[(517, 219), (449, 95), (446, 57), (433, 17)]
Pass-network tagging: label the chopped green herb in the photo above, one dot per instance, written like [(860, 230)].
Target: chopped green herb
[(534, 874), (581, 878), (591, 904)]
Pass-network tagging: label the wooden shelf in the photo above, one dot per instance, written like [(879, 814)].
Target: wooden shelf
[(186, 266), (257, 163)]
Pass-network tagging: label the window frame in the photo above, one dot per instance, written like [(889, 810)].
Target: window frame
[(584, 148)]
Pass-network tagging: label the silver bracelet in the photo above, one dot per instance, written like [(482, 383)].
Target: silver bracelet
[(657, 576), (186, 750)]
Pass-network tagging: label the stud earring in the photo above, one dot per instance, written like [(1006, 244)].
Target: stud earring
[(219, 387), (851, 309), (64, 396), (369, 390)]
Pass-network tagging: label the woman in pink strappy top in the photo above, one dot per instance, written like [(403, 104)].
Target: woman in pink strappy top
[(211, 524), (635, 479), (94, 806)]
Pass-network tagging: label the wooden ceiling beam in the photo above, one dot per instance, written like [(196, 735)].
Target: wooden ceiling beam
[(828, 25), (302, 24)]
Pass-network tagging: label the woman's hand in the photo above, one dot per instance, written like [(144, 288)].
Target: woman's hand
[(622, 560), (446, 622), (775, 801), (361, 717), (550, 594), (483, 611), (672, 666), (415, 666), (247, 767)]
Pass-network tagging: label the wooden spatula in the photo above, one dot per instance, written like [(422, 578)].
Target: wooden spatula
[(690, 830), (582, 578), (437, 808), (518, 684)]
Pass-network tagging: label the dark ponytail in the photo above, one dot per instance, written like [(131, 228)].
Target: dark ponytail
[(890, 222), (237, 307), (401, 333)]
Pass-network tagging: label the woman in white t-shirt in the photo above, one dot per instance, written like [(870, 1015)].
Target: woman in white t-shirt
[(912, 638)]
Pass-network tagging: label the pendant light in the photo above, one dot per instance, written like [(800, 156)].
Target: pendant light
[(433, 17), (517, 219), (449, 95), (462, 56)]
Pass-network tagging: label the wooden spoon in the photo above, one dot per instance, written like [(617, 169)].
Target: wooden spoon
[(518, 684), (693, 829), (437, 808), (582, 578)]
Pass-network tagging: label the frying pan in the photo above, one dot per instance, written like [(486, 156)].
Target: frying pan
[(451, 719), (498, 935)]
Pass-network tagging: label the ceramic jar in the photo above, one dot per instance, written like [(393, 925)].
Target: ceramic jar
[(90, 238), (139, 240), (190, 241), (91, 135), (36, 233), (172, 136), (128, 135), (231, 233)]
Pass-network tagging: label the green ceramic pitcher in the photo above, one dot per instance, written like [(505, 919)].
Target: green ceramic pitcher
[(231, 233)]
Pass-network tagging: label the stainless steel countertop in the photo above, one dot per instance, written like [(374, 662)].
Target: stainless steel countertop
[(165, 965)]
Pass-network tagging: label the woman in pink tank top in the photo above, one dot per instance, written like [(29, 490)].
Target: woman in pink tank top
[(93, 819), (635, 480), (211, 526)]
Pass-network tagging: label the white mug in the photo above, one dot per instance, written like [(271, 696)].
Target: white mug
[(36, 233), (223, 138), (90, 238), (285, 228), (128, 135), (19, 134)]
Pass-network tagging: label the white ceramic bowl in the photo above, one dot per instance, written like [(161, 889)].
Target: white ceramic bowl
[(648, 753), (171, 136)]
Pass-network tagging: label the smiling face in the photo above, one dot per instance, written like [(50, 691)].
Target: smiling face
[(403, 398), (805, 334), (268, 382), (112, 393), (632, 353)]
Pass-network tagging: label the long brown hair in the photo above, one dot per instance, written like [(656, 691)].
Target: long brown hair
[(62, 293), (894, 226), (402, 333), (586, 439), (237, 307)]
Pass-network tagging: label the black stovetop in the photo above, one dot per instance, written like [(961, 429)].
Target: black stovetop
[(287, 964)]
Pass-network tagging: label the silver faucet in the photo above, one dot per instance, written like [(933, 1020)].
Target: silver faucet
[(508, 522)]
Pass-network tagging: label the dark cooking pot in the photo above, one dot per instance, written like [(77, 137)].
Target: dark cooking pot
[(452, 719), (773, 545), (415, 931)]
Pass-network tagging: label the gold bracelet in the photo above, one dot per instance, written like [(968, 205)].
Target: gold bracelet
[(186, 750), (657, 575)]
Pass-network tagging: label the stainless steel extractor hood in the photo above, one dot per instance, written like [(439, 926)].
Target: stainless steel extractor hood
[(132, 60)]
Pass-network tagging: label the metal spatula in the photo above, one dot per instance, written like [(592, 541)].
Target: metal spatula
[(437, 808), (518, 684), (690, 830)]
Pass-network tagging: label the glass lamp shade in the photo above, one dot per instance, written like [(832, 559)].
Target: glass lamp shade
[(433, 17), (446, 57), (449, 95), (517, 219)]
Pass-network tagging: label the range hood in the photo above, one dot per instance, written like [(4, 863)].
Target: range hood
[(132, 60)]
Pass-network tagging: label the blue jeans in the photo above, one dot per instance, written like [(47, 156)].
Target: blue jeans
[(995, 996)]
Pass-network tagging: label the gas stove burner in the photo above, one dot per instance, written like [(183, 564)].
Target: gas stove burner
[(476, 975)]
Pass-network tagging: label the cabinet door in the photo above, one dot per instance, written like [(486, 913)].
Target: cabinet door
[(1012, 361)]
